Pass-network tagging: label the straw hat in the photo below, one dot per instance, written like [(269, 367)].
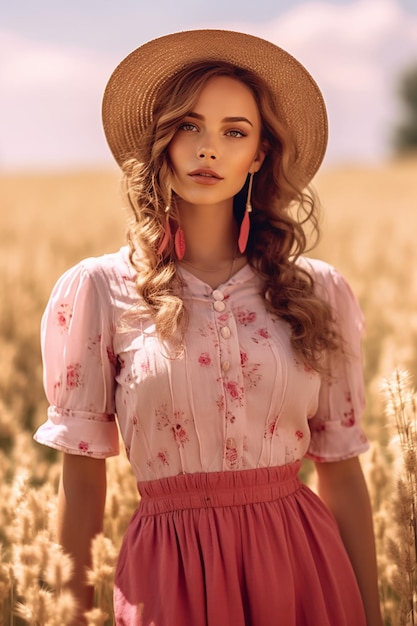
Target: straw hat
[(130, 93)]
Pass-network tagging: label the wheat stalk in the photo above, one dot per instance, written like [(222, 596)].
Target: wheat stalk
[(400, 405)]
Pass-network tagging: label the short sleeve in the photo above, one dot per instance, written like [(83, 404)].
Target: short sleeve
[(336, 432), (79, 367)]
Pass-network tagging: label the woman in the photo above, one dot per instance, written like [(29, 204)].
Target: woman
[(226, 355)]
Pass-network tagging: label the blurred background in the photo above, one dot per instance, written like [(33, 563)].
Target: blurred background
[(56, 56), (60, 202), (59, 188)]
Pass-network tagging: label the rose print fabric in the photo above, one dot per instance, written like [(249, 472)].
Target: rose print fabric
[(236, 398)]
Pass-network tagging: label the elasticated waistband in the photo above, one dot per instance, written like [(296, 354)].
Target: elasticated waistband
[(213, 489)]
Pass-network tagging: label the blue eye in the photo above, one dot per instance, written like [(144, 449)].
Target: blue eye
[(236, 133), (188, 126)]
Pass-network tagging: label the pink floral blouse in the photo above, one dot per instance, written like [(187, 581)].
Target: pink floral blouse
[(237, 398)]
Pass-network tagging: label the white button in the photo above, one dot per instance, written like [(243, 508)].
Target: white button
[(226, 366), (218, 295), (225, 332), (219, 306)]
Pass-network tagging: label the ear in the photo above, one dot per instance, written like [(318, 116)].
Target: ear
[(258, 160)]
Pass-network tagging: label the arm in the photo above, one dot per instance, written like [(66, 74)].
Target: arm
[(341, 485), (81, 500)]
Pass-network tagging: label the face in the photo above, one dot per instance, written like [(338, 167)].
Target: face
[(217, 145)]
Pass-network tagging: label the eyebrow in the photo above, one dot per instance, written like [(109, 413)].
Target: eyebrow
[(226, 120)]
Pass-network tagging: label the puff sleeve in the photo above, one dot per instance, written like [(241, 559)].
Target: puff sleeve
[(79, 366), (336, 432)]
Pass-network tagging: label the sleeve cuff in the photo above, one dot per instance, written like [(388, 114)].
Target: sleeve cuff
[(80, 432), (333, 443)]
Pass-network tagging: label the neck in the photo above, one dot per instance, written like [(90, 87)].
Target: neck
[(210, 235)]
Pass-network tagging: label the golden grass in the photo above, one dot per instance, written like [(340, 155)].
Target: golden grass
[(369, 231), (48, 223)]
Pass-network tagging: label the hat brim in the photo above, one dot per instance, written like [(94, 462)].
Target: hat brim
[(130, 93)]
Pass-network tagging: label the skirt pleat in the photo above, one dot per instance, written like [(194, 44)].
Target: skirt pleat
[(246, 548)]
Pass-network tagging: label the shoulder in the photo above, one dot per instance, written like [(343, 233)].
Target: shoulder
[(333, 287), (108, 274), (327, 279), (96, 285), (318, 270), (114, 264)]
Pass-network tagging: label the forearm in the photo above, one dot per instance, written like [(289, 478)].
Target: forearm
[(342, 487), (81, 501)]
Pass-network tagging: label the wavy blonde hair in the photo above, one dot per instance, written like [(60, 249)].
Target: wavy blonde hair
[(281, 210)]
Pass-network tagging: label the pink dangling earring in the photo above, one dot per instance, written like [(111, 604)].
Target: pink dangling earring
[(179, 243), (167, 233), (245, 225)]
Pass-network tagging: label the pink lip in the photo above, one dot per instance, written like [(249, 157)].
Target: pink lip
[(205, 176)]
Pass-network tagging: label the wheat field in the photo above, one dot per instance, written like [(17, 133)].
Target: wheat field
[(48, 223)]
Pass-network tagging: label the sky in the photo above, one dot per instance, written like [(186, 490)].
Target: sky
[(57, 55)]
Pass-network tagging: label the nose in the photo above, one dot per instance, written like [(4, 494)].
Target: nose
[(207, 150), (205, 153)]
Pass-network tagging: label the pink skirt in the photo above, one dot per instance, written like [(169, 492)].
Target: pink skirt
[(245, 548)]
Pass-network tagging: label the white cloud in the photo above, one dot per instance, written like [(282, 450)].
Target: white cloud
[(51, 95), (356, 53), (27, 64), (50, 105)]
